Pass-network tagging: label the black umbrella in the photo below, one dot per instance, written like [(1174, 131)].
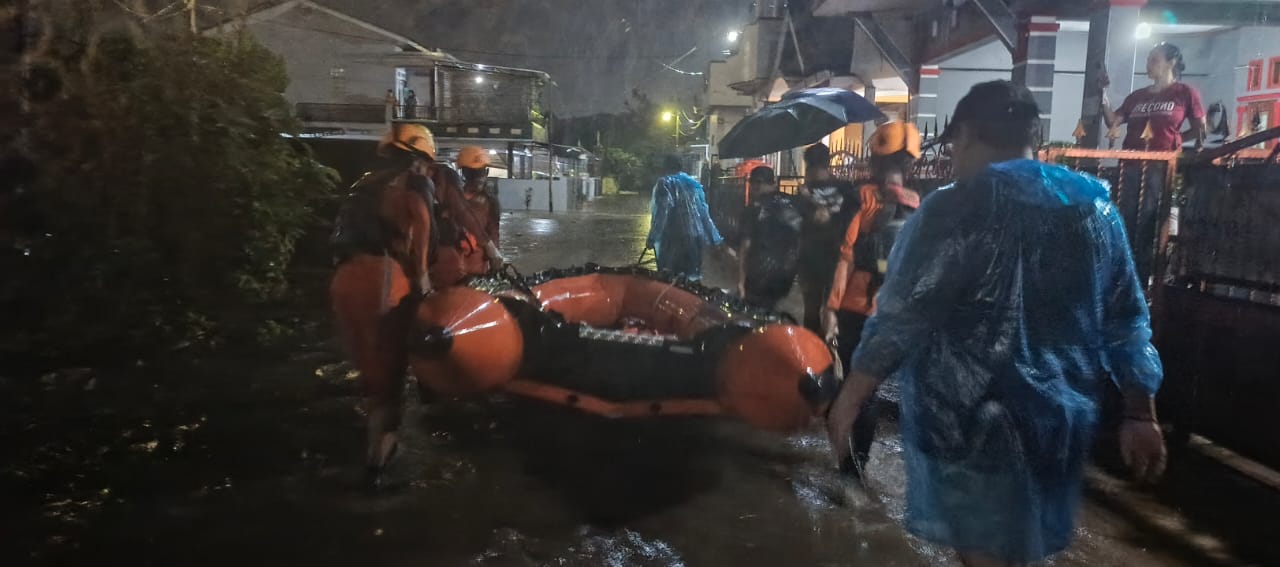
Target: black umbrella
[(800, 118)]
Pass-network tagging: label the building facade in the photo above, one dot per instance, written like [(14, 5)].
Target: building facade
[(350, 79)]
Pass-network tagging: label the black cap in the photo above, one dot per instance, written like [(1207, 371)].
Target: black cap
[(994, 101), (817, 155), (762, 174)]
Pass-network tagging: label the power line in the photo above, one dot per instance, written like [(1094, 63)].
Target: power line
[(474, 51)]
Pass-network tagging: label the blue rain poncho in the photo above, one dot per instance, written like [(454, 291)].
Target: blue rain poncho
[(1011, 299), (681, 225)]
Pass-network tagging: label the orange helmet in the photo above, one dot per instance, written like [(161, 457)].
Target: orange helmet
[(473, 157), (894, 137), (409, 137)]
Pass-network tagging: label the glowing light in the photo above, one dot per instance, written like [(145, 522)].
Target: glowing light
[(1143, 31), (733, 36), (493, 152), (668, 116), (479, 79)]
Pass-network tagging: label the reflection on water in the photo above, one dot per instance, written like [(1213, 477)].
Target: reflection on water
[(592, 547), (543, 227)]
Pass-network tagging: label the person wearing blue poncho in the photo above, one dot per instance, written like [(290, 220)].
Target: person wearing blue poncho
[(681, 226), (1011, 299)]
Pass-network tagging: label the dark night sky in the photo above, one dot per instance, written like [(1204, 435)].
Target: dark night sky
[(595, 50)]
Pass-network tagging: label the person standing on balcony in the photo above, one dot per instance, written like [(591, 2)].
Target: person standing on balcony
[(680, 227), (383, 243), (1011, 299), (1154, 116), (864, 257), (770, 241), (411, 105), (391, 102), (830, 204)]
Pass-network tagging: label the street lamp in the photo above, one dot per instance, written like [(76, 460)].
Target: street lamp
[(669, 116)]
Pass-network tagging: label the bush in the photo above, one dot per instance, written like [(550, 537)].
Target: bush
[(165, 201)]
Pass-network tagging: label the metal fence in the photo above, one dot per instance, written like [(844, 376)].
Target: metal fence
[(1142, 187), (1228, 237), (1220, 308)]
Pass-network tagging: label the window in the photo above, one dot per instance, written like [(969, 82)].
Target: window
[(1273, 73), (1255, 76)]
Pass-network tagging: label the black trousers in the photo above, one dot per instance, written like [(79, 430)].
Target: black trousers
[(864, 428), (815, 285), (767, 291), (1139, 195)]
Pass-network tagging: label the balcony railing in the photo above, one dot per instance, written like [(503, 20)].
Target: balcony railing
[(349, 113), (381, 114), (365, 113)]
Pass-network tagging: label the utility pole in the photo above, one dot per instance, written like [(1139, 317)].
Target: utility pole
[(191, 15)]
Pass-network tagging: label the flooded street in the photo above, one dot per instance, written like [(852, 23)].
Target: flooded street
[(255, 461)]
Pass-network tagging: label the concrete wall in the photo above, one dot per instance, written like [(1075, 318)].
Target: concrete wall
[(720, 122), (719, 78), (315, 45)]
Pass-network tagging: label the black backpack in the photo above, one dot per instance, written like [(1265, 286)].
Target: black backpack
[(871, 251), (778, 226), (360, 228)]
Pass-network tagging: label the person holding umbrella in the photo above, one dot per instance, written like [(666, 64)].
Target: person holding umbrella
[(831, 204), (681, 225)]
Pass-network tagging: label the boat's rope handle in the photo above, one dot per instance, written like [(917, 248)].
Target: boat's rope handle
[(512, 275)]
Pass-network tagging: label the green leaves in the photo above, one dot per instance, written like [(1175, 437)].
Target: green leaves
[(166, 201)]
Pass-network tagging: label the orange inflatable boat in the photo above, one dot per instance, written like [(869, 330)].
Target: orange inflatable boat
[(621, 342)]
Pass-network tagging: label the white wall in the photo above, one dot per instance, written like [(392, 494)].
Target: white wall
[(991, 61), (987, 62), (1256, 43), (1215, 66), (544, 195)]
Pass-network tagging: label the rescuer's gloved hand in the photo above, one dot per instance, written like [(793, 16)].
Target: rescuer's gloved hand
[(830, 325)]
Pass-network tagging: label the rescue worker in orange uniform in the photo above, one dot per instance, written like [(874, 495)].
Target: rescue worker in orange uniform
[(383, 244), (468, 238), (864, 256), (483, 214)]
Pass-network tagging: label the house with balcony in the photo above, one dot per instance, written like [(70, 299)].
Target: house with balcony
[(916, 58), (341, 68), (1062, 50), (788, 46)]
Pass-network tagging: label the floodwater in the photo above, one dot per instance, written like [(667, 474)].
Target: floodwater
[(256, 461)]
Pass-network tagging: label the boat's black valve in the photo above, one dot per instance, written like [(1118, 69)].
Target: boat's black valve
[(429, 343), (822, 388)]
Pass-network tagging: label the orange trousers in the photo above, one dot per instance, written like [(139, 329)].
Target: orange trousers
[(374, 310)]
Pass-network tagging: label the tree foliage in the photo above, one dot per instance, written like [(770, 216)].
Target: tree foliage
[(632, 142), (162, 199)]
